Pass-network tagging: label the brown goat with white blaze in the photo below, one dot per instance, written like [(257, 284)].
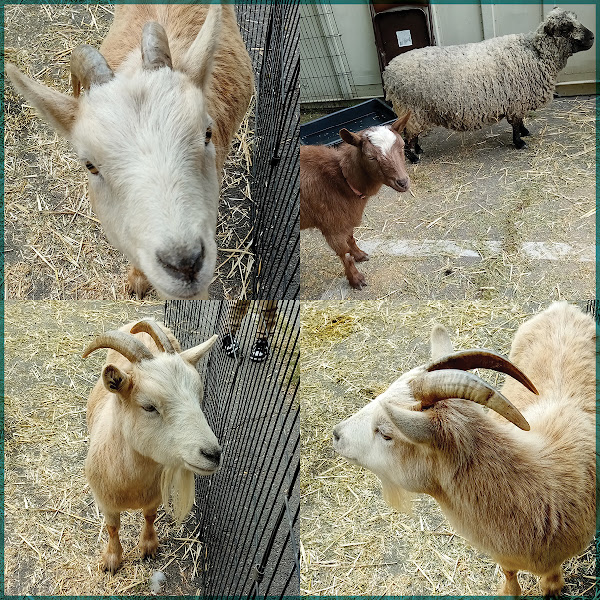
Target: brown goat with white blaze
[(148, 435), (525, 495), (336, 183)]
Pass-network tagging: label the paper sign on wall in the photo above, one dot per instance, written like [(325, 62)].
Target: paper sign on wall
[(404, 38)]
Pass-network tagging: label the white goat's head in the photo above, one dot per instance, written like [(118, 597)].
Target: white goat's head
[(144, 134), (396, 436), (159, 399)]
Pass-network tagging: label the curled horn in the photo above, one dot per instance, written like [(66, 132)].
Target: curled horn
[(124, 343), (155, 47), (156, 333), (431, 387), (88, 67), (485, 359)]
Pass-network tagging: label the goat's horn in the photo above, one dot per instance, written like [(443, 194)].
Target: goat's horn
[(485, 359), (155, 47), (124, 343), (156, 333), (88, 67), (430, 388)]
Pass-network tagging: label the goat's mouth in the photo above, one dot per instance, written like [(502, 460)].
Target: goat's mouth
[(400, 184), (200, 470)]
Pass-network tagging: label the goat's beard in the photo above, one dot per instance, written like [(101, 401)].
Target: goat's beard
[(178, 491), (397, 497)]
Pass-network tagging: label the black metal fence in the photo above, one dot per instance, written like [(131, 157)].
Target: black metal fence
[(247, 514), (270, 31)]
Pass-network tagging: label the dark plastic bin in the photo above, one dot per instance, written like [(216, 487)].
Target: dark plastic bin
[(326, 130)]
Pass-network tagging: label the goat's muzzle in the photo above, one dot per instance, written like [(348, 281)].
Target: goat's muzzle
[(182, 265)]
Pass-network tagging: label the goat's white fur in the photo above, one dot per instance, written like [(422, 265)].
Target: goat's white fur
[(382, 137), (527, 498)]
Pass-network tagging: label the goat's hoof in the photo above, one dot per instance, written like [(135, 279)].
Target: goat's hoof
[(148, 548), (358, 283), (110, 562), (138, 283), (361, 257)]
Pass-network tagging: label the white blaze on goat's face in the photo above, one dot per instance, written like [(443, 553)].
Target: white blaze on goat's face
[(164, 419), (382, 137), (157, 188)]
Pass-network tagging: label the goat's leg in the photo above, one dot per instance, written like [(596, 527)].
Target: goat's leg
[(358, 254), (339, 244), (511, 585), (138, 283), (552, 583), (111, 558), (518, 130), (149, 539)]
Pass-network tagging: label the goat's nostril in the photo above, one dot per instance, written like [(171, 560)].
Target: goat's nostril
[(212, 454), (183, 265), (403, 183), (336, 435)]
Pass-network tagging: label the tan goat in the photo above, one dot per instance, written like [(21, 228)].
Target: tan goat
[(526, 496), (148, 435), (163, 100)]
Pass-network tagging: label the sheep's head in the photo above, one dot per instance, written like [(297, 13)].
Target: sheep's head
[(565, 29), (395, 435), (382, 153), (159, 399), (144, 135)]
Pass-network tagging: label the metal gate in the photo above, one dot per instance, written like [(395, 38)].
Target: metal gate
[(247, 514)]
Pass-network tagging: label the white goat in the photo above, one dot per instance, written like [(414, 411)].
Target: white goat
[(153, 130), (148, 435), (525, 496)]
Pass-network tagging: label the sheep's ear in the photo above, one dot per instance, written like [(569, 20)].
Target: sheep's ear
[(350, 138), (193, 355), (399, 125), (198, 60), (58, 110), (440, 342), (414, 425), (115, 380)]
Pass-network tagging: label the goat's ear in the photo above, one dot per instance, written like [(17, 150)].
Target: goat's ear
[(440, 342), (350, 138), (399, 125), (193, 355), (58, 110), (413, 424), (115, 380), (198, 60)]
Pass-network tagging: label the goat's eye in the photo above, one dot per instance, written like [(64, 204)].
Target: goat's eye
[(208, 136), (383, 435), (149, 408), (91, 168)]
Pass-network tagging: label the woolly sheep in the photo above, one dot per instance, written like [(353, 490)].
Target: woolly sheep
[(526, 496), (468, 86), (163, 99), (148, 435)]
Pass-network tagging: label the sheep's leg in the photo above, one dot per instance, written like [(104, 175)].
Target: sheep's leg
[(149, 539), (339, 244), (358, 254), (518, 127), (552, 583), (523, 130), (412, 150), (111, 558), (511, 585), (138, 283)]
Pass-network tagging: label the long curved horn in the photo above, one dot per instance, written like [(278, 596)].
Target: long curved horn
[(485, 359), (124, 343), (155, 47), (432, 387), (156, 333), (88, 67)]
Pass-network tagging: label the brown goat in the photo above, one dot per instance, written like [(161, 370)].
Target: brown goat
[(335, 185)]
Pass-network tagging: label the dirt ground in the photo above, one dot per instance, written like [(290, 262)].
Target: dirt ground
[(352, 542), (482, 220), (54, 245), (53, 533)]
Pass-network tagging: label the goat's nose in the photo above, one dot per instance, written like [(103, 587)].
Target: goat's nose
[(403, 182), (336, 434), (212, 454), (182, 264)]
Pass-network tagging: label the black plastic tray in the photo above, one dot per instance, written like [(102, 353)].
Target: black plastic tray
[(325, 130)]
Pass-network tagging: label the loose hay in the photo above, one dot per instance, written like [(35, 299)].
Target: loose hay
[(53, 531), (352, 542), (54, 244)]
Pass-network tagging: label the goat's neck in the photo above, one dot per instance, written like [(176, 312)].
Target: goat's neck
[(351, 165)]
